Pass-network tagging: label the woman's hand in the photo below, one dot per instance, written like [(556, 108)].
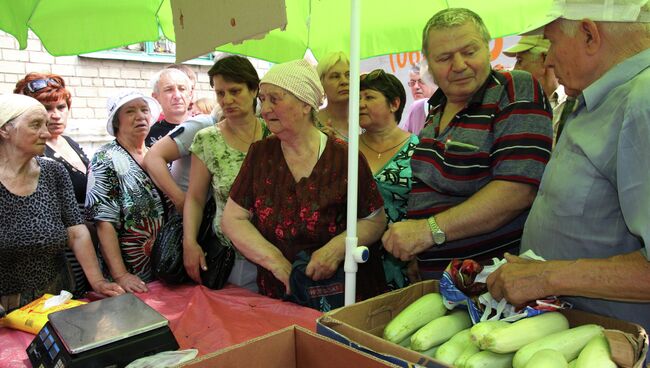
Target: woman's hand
[(281, 269), (106, 287), (324, 262), (131, 283), (194, 260)]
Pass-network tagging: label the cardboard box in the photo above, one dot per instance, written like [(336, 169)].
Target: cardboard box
[(361, 325), (291, 347)]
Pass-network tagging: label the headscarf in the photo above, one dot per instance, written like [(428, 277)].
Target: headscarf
[(298, 77), (14, 105)]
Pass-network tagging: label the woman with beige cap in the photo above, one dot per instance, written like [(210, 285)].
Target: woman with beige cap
[(38, 211), (291, 192), (122, 199)]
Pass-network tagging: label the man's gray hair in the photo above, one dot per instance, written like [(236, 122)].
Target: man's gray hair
[(175, 73), (453, 17)]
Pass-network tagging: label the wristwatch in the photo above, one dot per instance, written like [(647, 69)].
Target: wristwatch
[(438, 235)]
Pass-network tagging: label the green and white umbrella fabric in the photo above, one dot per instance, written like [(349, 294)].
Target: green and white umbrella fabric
[(72, 27)]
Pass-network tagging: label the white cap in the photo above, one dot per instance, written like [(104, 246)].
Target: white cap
[(627, 11), (115, 102)]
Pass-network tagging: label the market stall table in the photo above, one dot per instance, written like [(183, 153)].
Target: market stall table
[(200, 318)]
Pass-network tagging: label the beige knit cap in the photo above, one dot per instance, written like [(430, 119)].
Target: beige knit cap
[(298, 77), (14, 105)]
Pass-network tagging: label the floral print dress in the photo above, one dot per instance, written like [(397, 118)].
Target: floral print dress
[(223, 163), (121, 192), (305, 215)]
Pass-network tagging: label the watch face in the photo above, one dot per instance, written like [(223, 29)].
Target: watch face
[(439, 237)]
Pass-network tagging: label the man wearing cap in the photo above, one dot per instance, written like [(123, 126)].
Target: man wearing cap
[(481, 154), (530, 53), (591, 217)]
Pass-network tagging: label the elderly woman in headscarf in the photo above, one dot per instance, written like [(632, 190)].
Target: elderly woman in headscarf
[(291, 193), (50, 90), (122, 199), (38, 211)]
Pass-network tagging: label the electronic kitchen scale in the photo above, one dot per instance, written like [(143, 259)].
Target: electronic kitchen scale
[(111, 332)]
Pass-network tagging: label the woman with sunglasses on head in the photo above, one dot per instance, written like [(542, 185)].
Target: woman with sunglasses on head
[(388, 150), (288, 203), (50, 90), (334, 73), (38, 212)]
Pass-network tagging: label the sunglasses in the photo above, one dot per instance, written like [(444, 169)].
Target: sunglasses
[(38, 84), (375, 74)]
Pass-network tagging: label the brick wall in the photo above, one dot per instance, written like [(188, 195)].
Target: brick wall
[(91, 81)]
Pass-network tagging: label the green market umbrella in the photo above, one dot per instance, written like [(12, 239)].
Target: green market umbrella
[(72, 27), (386, 26)]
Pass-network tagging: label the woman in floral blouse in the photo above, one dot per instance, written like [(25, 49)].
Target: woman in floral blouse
[(217, 155), (291, 192), (122, 199)]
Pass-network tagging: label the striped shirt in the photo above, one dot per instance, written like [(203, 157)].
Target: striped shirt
[(504, 133)]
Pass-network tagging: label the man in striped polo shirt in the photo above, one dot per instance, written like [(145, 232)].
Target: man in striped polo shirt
[(481, 155)]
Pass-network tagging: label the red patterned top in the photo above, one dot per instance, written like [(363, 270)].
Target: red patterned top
[(303, 215)]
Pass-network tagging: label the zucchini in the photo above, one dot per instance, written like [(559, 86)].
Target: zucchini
[(481, 329), (596, 354), (511, 338), (450, 350), (431, 352), (488, 359), (417, 314), (470, 351), (440, 330), (568, 342), (547, 358)]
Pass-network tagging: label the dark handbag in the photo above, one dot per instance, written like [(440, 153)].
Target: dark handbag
[(167, 252)]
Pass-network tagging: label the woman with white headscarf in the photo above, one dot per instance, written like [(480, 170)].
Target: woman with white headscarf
[(290, 195), (38, 211)]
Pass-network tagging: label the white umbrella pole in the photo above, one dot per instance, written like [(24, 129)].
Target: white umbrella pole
[(353, 254)]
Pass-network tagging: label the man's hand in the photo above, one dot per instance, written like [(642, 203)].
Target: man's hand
[(519, 281), (324, 262), (407, 238)]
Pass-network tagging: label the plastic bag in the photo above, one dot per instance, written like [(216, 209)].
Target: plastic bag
[(164, 359), (456, 288), (33, 316)]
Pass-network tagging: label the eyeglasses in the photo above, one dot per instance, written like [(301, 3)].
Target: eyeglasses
[(38, 84), (413, 82)]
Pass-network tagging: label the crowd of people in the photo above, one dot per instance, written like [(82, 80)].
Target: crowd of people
[(549, 157)]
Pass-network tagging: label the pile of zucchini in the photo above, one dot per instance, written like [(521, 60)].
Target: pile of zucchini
[(535, 342)]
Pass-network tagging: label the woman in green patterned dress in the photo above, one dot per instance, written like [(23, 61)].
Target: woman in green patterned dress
[(388, 150), (217, 154)]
